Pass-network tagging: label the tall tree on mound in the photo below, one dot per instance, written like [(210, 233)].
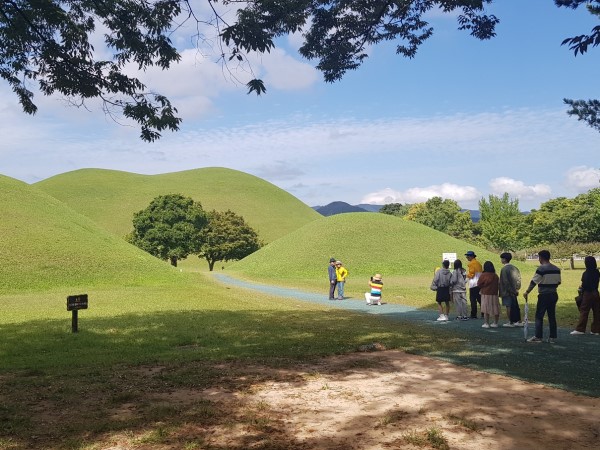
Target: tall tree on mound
[(170, 228), (227, 237), (395, 209)]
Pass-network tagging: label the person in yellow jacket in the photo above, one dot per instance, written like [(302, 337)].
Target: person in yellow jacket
[(474, 269), (341, 273)]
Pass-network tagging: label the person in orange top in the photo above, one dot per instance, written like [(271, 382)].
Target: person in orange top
[(474, 269), (488, 286)]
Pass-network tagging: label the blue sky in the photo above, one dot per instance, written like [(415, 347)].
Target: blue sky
[(463, 119)]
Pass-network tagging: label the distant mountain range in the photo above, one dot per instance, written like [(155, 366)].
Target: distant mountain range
[(343, 207)]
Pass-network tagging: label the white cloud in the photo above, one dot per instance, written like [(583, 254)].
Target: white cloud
[(282, 71), (582, 178), (422, 194), (518, 189)]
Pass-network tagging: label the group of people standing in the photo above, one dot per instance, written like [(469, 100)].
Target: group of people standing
[(486, 288)]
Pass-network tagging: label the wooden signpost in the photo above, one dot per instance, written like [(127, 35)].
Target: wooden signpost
[(74, 304)]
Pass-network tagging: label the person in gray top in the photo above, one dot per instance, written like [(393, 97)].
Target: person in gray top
[(547, 279), (510, 284), (441, 286)]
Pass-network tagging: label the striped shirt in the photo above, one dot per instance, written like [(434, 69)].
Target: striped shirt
[(376, 287), (547, 279)]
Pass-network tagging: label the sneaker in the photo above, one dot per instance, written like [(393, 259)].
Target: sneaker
[(378, 303), (518, 324), (577, 332), (441, 318), (485, 325), (595, 334), (534, 339), (508, 325), (464, 318), (551, 341), (494, 325)]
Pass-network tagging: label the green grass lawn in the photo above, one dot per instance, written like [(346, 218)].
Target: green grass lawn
[(144, 314), (184, 331)]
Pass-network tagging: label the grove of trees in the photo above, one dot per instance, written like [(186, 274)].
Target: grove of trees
[(173, 226), (565, 225), (47, 45)]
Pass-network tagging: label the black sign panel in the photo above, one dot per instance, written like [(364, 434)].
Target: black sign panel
[(77, 302)]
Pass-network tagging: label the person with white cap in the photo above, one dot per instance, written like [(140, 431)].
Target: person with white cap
[(474, 270)]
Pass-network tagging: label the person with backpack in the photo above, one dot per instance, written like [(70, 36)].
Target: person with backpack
[(510, 284), (441, 286), (458, 289)]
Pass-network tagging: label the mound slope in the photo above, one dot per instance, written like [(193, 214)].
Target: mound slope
[(110, 197), (366, 243), (46, 245)]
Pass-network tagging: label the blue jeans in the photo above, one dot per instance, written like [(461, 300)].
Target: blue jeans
[(546, 303), (340, 287)]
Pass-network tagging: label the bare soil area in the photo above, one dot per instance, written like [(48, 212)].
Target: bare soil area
[(374, 400)]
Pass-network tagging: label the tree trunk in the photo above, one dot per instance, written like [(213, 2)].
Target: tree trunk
[(211, 265), (572, 263), (174, 261)]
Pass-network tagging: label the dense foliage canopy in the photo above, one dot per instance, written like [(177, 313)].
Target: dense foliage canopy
[(227, 237), (169, 228)]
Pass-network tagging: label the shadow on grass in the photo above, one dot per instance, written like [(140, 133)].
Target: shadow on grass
[(62, 390), (571, 364)]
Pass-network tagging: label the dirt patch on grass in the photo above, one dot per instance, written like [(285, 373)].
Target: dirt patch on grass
[(368, 400)]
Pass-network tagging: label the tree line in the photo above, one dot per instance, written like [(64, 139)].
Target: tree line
[(565, 225), (173, 227)]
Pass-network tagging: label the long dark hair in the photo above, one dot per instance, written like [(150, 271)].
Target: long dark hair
[(488, 266), (457, 264), (590, 263)]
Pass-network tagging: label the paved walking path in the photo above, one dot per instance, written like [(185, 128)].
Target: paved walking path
[(572, 363)]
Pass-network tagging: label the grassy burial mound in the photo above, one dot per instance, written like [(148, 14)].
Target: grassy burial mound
[(110, 197), (365, 243), (405, 253), (46, 245)]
